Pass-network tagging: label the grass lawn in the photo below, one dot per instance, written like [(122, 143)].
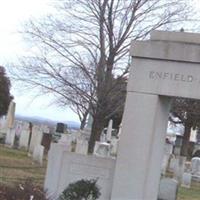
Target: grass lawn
[(16, 166), (189, 194)]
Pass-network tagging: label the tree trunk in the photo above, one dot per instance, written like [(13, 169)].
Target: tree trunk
[(186, 138), (83, 122), (97, 128)]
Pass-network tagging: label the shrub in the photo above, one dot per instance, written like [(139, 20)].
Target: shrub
[(26, 191), (81, 190)]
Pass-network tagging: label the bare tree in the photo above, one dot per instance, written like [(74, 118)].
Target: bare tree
[(187, 112), (82, 49)]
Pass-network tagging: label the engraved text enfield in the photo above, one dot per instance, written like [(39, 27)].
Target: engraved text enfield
[(170, 76)]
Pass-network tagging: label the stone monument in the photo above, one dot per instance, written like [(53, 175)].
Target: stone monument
[(166, 66)]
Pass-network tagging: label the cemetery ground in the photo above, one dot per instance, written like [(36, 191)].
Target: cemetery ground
[(16, 166)]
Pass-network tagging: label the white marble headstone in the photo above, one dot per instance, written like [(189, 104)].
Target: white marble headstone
[(81, 147), (36, 137), (24, 138), (10, 137), (66, 140), (186, 180), (38, 154), (102, 149)]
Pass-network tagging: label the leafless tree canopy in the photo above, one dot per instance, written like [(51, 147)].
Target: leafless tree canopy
[(80, 51)]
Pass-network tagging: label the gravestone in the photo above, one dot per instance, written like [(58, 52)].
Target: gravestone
[(66, 140), (65, 167), (166, 66), (186, 180), (195, 166), (179, 168), (168, 189), (114, 146), (46, 141), (10, 119), (172, 163), (60, 127), (24, 138), (36, 137), (109, 130), (81, 147), (38, 154), (102, 149), (166, 159)]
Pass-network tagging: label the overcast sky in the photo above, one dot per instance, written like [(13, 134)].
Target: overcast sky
[(12, 14)]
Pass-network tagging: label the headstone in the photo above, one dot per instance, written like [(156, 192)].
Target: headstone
[(66, 167), (46, 141), (11, 115), (177, 150), (102, 149), (81, 147), (195, 164), (66, 140), (162, 68), (24, 138), (186, 180), (89, 122), (38, 154), (120, 130), (36, 137), (193, 135), (109, 130), (168, 148), (168, 189), (3, 127), (45, 129), (165, 163), (114, 146), (179, 168), (60, 127), (10, 136), (172, 163), (166, 159), (10, 119)]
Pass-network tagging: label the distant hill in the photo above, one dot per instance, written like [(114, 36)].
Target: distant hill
[(49, 122)]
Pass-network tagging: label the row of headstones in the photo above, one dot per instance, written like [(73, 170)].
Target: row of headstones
[(77, 142), (184, 172), (28, 141), (183, 176)]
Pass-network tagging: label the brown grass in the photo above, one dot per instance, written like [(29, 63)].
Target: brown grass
[(15, 166)]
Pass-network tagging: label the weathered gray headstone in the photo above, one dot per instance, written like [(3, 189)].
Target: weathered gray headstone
[(179, 168), (195, 163), (168, 189), (109, 130)]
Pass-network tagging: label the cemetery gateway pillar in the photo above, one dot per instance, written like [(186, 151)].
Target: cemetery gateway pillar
[(167, 65)]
